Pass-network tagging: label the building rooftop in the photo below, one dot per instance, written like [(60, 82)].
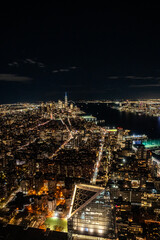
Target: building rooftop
[(13, 232)]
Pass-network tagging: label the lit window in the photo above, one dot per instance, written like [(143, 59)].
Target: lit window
[(100, 231)]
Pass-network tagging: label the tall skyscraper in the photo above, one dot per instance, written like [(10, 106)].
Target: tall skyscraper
[(66, 100)]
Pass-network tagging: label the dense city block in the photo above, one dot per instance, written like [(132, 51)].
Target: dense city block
[(62, 173)]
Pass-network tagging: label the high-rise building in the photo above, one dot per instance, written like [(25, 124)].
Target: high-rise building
[(91, 215), (141, 152), (128, 144), (71, 106), (60, 104), (66, 100)]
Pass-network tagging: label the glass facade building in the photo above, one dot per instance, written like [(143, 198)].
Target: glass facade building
[(91, 213)]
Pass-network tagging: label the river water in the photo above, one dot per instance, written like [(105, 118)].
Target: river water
[(114, 118)]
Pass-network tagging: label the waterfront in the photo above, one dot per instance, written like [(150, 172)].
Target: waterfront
[(138, 124)]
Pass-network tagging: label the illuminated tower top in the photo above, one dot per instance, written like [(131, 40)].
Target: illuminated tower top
[(66, 100)]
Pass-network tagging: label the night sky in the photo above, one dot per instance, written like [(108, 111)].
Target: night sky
[(94, 52)]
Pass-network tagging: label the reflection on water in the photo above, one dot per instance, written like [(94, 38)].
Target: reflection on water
[(158, 118), (114, 118)]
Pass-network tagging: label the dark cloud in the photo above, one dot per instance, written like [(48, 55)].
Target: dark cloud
[(30, 61), (130, 77), (73, 67), (134, 77), (14, 78), (145, 85), (113, 77), (25, 62), (139, 77), (64, 69)]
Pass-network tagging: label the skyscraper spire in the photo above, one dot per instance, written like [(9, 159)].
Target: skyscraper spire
[(66, 100)]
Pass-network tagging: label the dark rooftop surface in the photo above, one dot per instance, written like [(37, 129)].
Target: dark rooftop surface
[(12, 232)]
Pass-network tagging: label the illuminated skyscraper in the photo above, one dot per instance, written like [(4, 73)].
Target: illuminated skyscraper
[(91, 215), (60, 104), (66, 100)]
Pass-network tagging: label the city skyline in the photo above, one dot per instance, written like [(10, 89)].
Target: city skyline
[(65, 174), (80, 121)]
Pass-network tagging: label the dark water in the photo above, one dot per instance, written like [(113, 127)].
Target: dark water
[(113, 118)]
